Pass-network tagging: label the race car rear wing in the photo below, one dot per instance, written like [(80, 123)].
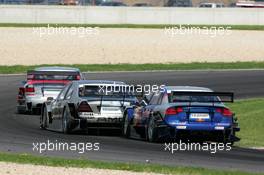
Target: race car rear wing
[(31, 74), (206, 97)]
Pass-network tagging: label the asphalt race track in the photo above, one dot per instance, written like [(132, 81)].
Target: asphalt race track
[(19, 132)]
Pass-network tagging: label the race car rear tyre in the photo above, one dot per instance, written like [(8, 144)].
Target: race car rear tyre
[(20, 111), (65, 122), (44, 119), (152, 133), (126, 127), (36, 111), (226, 137)]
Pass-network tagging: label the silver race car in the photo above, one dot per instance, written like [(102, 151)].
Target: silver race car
[(87, 104), (41, 83)]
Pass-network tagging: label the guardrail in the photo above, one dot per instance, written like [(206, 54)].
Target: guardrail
[(129, 15)]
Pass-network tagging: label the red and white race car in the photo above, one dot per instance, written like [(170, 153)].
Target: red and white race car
[(42, 83)]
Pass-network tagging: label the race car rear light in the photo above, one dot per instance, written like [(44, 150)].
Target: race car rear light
[(84, 107), (30, 89), (224, 111), (78, 77), (173, 110)]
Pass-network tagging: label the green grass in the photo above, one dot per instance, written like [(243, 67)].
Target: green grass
[(250, 115), (143, 67), (144, 26), (81, 163)]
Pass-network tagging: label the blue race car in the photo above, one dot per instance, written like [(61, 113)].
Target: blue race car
[(182, 112)]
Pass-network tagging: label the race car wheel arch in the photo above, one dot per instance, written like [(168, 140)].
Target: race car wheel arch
[(73, 110)]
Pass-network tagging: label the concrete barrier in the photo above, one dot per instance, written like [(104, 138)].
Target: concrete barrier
[(130, 15)]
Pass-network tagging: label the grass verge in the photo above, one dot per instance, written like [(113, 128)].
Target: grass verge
[(81, 163), (142, 26), (143, 67), (250, 117)]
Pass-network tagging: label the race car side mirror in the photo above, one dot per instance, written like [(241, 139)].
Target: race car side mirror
[(143, 103)]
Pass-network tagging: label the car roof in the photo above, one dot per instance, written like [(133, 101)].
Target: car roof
[(188, 88), (57, 68), (99, 82)]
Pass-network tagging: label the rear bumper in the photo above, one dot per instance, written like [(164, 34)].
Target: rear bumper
[(36, 101), (83, 124), (202, 126), (29, 106), (206, 131), (29, 103)]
